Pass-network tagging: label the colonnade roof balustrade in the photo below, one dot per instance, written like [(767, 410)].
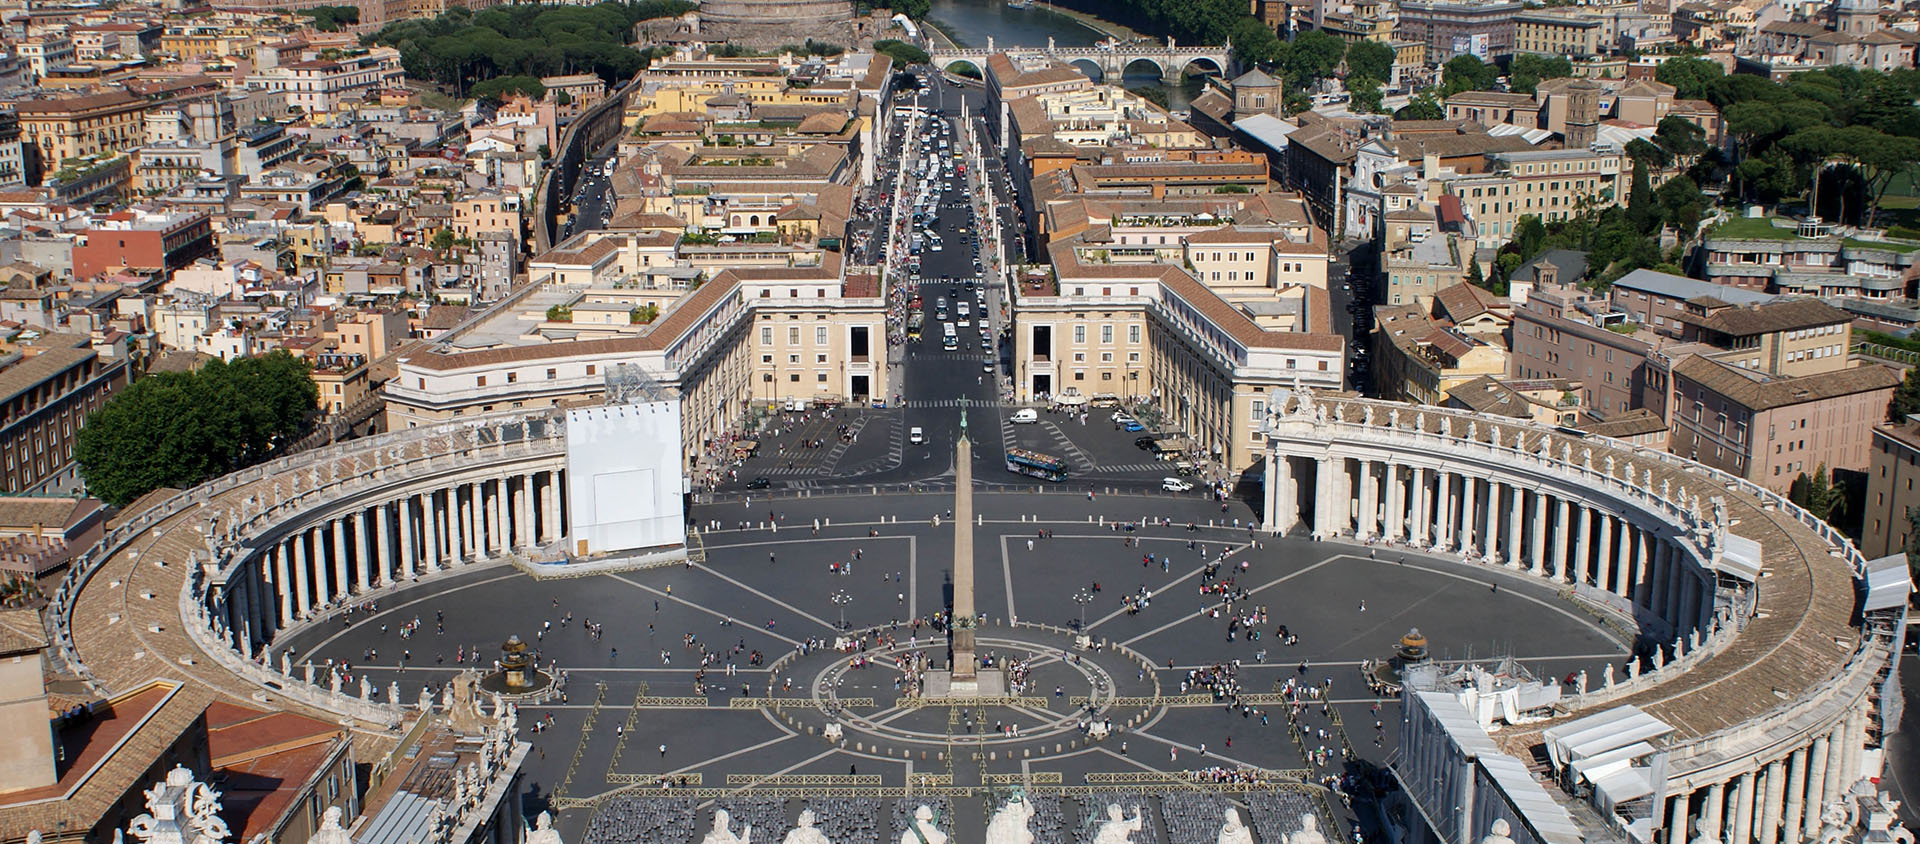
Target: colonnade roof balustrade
[(1798, 646), (125, 613)]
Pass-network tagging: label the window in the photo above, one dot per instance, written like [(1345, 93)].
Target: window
[(766, 335), (551, 374), (1079, 334), (1106, 334), (480, 381), (1257, 409), (794, 378), (820, 336), (820, 358), (793, 336), (823, 378), (513, 377)]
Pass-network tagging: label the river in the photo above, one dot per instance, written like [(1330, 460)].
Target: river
[(972, 22)]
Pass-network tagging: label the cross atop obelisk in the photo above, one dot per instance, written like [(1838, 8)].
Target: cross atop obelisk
[(964, 662)]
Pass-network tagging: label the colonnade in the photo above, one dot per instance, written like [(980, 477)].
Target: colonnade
[(324, 561), (1778, 801), (1532, 525)]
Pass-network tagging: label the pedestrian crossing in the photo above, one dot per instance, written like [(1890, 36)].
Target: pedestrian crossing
[(974, 404), (944, 357), (1149, 466)]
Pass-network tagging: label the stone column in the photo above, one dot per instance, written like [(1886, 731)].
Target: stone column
[(1514, 519), (1676, 582), (1537, 532), (283, 584), (964, 662), (1425, 522), (524, 529), (1323, 503), (1284, 514), (1796, 796), (1396, 503), (1770, 809), (1817, 764), (1856, 740), (1676, 820), (497, 516), (363, 536), (403, 508), (430, 531), (338, 527), (1563, 542), (1605, 562), (1713, 817), (1369, 502), (303, 602), (383, 537), (1583, 533), (1743, 811), (1493, 542), (1640, 584), (456, 525), (1469, 536), (555, 531)]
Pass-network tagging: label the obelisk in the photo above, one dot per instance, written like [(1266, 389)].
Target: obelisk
[(964, 661)]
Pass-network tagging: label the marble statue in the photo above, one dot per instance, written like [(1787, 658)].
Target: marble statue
[(1606, 678), (1473, 431), (1609, 465), (1234, 831), (1580, 682), (1498, 832), (721, 834), (1339, 413), (1118, 829), (922, 831), (330, 831), (1702, 833), (1446, 426), (333, 681), (180, 810), (1366, 416), (286, 664), (1009, 822), (1309, 832), (366, 688), (1633, 670), (542, 831), (1659, 658), (1393, 417), (1420, 422), (393, 693), (34, 836), (426, 700), (309, 672), (804, 833)]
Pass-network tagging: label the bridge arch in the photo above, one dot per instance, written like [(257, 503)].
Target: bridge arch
[(1202, 64), (963, 66), (1144, 65), (1091, 68)]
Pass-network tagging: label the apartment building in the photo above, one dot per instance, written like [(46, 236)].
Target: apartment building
[(1770, 429), (60, 129), (1893, 466), (1576, 36), (1448, 28), (142, 240), (324, 86), (47, 388), (1551, 184), (1779, 256), (1562, 331), (1421, 360), (1789, 338)]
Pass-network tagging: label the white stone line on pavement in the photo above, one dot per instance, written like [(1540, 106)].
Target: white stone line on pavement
[(1232, 549), (1355, 663), (1186, 617), (1006, 571), (1519, 593), (768, 598), (688, 769), (682, 601), (764, 777), (1214, 755)]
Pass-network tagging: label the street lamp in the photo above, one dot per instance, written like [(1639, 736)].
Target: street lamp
[(1083, 598), (841, 599)]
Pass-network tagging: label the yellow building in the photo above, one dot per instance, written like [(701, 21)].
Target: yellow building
[(77, 126), (1557, 35)]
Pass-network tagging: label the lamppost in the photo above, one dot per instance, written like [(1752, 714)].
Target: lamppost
[(841, 599), (1083, 598)]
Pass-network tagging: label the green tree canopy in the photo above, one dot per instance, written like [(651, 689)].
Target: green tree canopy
[(1527, 71), (1371, 60), (461, 48), (903, 54), (1422, 107), (1691, 77), (177, 429), (500, 88), (1366, 94), (1312, 57), (1465, 72), (332, 18)]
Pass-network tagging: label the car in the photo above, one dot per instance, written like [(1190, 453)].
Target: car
[(1143, 443), (1175, 485), (1120, 417), (1025, 416), (1133, 427), (917, 436), (759, 483)]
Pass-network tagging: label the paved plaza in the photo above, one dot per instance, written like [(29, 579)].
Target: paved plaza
[(720, 678)]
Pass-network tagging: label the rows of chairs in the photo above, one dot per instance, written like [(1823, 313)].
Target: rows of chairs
[(847, 820), (1277, 814), (1193, 818), (655, 820), (1093, 815)]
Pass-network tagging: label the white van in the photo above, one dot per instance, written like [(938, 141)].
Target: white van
[(1025, 416)]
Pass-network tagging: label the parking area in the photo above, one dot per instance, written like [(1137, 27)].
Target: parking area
[(1090, 442), (819, 443)]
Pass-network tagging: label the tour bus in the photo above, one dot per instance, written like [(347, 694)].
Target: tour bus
[(1034, 464), (914, 324)]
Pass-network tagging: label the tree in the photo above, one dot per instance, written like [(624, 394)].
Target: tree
[(442, 240), (1465, 72), (1312, 57), (1369, 59), (177, 429), (903, 54), (1681, 205), (1422, 107), (1816, 494), (1366, 93), (1680, 137), (1906, 397), (1527, 70), (1692, 78), (499, 88), (1529, 237), (1640, 208), (1254, 43)]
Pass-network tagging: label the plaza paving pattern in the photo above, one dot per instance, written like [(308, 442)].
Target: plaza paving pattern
[(632, 690)]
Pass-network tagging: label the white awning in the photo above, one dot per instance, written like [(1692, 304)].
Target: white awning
[(1593, 735), (1624, 784), (1888, 583), (1741, 558), (1070, 400)]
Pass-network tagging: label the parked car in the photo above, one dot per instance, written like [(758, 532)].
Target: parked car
[(1133, 427), (759, 483), (917, 436), (1025, 416), (1175, 485)]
